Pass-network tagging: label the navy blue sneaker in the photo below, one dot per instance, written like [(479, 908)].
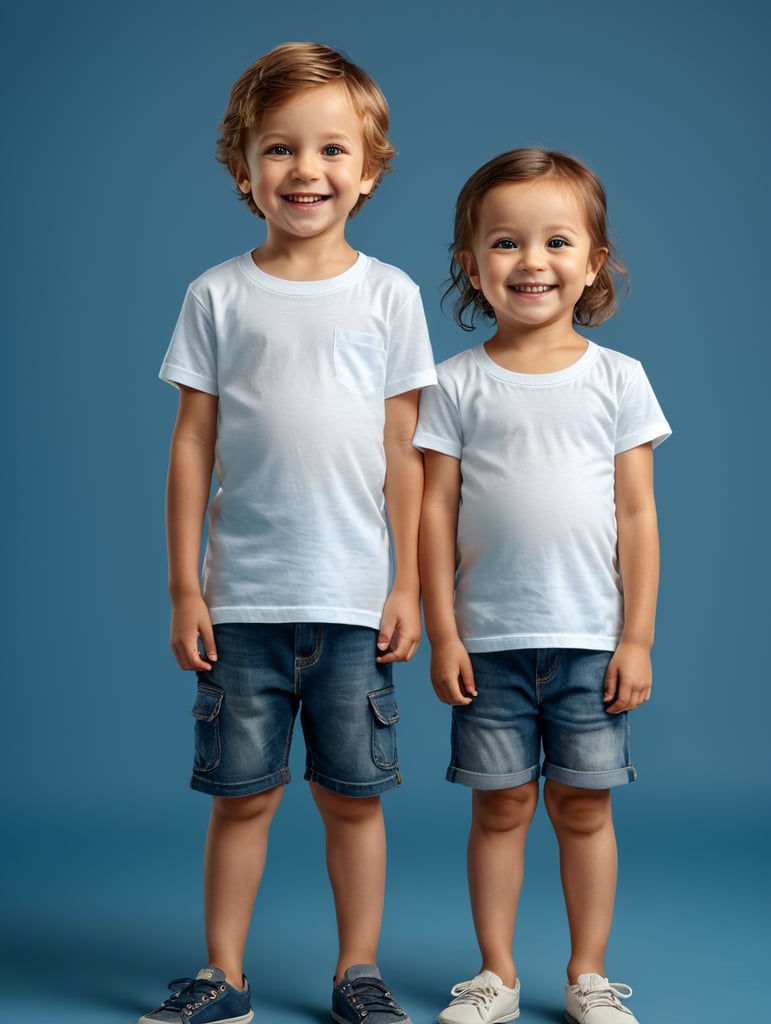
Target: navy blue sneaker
[(361, 995), (205, 999)]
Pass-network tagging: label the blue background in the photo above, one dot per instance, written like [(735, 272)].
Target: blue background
[(112, 202)]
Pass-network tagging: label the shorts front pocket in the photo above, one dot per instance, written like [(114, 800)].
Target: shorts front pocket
[(206, 711), (359, 359), (385, 715)]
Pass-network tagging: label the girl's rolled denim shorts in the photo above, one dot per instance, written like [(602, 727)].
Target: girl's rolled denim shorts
[(534, 704)]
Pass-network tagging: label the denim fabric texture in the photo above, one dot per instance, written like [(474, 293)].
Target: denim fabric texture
[(246, 706), (533, 701)]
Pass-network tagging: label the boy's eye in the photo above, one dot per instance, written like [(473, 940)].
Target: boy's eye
[(505, 243), (279, 150), (332, 150)]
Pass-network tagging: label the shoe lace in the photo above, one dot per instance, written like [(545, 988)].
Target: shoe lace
[(369, 995), (608, 996), (473, 995), (190, 994)]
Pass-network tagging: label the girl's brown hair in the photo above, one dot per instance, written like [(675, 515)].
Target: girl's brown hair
[(281, 74), (598, 300)]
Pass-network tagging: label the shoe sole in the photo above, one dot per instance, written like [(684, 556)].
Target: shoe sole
[(343, 1020), (498, 1020), (225, 1020)]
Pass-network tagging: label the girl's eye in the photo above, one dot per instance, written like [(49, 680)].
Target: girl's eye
[(505, 243), (279, 150), (332, 150), (557, 243)]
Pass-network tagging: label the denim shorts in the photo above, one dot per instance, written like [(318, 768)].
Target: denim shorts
[(246, 705), (531, 701)]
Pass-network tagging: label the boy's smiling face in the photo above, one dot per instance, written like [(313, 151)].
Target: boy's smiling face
[(305, 164)]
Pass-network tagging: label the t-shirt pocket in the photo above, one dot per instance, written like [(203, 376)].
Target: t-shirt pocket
[(359, 359)]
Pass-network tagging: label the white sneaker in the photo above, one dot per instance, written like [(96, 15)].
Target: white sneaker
[(483, 1000), (595, 1000)]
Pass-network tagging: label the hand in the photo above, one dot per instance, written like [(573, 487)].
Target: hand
[(451, 673), (399, 634), (628, 679), (191, 622)]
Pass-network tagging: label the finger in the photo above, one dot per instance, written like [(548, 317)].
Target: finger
[(402, 648), (198, 663), (457, 698), (385, 636), (189, 656), (207, 641), (610, 688), (467, 681)]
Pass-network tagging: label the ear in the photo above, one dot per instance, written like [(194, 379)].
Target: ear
[(469, 266), (241, 176), (368, 180), (596, 262)]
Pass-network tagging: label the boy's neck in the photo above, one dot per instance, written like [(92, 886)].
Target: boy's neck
[(307, 260)]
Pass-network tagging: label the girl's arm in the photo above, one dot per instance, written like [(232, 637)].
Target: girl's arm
[(451, 672), (629, 676), (400, 623), (187, 495)]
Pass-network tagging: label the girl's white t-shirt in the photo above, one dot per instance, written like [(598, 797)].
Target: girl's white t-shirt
[(536, 545), (297, 527)]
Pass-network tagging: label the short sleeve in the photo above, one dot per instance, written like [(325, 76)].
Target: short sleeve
[(439, 427), (640, 419), (409, 359), (191, 358)]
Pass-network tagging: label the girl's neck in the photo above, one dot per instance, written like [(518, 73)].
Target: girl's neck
[(536, 351)]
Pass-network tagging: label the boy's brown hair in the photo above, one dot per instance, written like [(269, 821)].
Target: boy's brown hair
[(530, 164), (287, 70)]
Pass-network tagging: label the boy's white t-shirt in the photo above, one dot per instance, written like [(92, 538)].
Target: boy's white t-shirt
[(537, 544), (298, 529)]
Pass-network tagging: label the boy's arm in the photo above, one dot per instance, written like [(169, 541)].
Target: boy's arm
[(400, 623), (451, 672), (187, 495), (629, 676)]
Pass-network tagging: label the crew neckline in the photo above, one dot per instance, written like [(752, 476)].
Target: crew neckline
[(283, 286), (537, 380)]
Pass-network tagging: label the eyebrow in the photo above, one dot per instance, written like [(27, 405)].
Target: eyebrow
[(503, 228), (332, 136)]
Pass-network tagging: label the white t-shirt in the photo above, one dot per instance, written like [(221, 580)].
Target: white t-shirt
[(297, 530), (537, 559)]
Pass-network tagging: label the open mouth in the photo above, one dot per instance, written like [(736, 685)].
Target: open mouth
[(532, 289), (302, 199)]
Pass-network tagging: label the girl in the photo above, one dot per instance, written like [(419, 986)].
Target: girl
[(539, 560)]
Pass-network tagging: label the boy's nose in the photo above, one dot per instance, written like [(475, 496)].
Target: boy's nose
[(305, 168)]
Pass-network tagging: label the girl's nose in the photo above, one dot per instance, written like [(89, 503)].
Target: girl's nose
[(531, 257)]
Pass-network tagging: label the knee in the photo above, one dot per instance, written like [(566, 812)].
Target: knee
[(247, 808), (580, 811), (345, 810), (502, 810)]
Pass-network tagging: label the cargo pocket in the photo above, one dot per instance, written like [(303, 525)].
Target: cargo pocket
[(384, 718), (359, 359), (206, 711)]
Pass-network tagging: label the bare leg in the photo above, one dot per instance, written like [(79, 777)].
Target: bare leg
[(496, 863), (583, 822), (356, 862), (236, 847)]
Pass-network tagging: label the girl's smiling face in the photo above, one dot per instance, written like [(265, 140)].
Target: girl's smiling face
[(532, 254)]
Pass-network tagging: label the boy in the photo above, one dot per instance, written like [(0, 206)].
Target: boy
[(299, 366)]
